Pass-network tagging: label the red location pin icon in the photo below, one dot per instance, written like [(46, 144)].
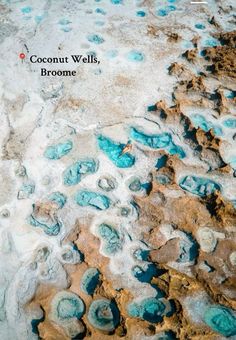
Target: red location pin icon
[(22, 56)]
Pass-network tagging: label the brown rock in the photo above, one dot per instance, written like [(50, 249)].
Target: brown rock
[(168, 252)]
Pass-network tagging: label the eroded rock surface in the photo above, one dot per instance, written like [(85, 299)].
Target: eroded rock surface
[(118, 196)]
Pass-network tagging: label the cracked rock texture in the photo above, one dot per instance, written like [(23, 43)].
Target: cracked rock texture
[(118, 195)]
